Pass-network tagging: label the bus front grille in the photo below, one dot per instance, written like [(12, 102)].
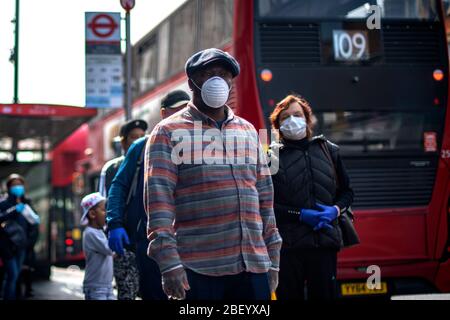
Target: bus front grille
[(407, 183), (414, 43), (294, 43)]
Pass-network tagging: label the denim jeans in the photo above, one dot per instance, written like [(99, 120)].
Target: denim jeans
[(102, 293), (12, 268)]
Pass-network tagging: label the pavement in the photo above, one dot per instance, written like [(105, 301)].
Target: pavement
[(67, 284), (443, 296), (64, 284)]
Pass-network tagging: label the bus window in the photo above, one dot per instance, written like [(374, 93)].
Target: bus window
[(182, 36), (163, 51), (216, 23), (350, 9), (147, 59)]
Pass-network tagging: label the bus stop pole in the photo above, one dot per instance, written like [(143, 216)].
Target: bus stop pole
[(16, 55), (128, 68)]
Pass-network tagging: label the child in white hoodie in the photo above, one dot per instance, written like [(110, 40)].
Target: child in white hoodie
[(98, 275)]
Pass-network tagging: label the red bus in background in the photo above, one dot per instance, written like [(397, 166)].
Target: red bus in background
[(67, 191), (380, 94)]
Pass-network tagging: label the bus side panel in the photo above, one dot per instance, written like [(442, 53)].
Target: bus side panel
[(404, 231), (443, 277), (437, 221), (248, 102)]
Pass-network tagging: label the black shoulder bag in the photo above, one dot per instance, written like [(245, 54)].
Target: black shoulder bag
[(349, 235), (12, 236)]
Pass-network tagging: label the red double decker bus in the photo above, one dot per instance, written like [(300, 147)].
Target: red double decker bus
[(376, 74)]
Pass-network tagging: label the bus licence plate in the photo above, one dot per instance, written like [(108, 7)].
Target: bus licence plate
[(356, 289)]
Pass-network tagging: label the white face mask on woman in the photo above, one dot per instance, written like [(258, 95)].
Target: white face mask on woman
[(215, 92), (294, 128)]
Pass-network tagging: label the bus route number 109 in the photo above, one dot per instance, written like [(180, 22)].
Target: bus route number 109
[(350, 45)]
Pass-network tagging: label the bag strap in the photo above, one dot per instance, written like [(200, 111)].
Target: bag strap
[(324, 145), (134, 183)]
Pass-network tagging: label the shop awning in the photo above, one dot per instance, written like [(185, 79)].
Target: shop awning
[(29, 131)]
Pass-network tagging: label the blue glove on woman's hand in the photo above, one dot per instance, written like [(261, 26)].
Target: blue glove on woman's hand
[(319, 219), (117, 238), (20, 207), (310, 216), (328, 211)]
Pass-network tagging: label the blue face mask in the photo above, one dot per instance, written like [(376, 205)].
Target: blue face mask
[(17, 191)]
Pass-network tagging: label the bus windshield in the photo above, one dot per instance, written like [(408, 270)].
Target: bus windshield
[(348, 9), (369, 132)]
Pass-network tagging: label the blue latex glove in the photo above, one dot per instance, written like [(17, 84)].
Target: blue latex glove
[(310, 216), (117, 238), (20, 207), (318, 219), (328, 211)]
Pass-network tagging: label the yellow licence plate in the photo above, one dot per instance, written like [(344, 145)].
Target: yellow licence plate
[(356, 289)]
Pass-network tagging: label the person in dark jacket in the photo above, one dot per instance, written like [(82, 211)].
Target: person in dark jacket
[(311, 189), (26, 277), (125, 268), (128, 222), (13, 251)]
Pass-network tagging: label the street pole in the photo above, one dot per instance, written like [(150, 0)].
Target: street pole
[(16, 56), (128, 68), (128, 5)]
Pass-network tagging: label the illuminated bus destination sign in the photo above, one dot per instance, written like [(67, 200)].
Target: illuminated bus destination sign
[(350, 45)]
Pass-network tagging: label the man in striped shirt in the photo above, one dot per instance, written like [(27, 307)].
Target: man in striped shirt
[(208, 194)]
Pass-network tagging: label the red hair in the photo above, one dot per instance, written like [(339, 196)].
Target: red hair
[(284, 105)]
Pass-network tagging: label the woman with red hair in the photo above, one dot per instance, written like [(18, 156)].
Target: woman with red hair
[(311, 189)]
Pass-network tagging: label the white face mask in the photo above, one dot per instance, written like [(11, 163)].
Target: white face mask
[(294, 128), (215, 92)]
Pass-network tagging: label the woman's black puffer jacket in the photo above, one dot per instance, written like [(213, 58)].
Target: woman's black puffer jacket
[(305, 177)]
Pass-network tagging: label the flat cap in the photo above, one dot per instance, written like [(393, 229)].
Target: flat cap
[(132, 124), (175, 99), (201, 59)]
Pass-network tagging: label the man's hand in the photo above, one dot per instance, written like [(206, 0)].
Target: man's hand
[(117, 238), (273, 280), (175, 283)]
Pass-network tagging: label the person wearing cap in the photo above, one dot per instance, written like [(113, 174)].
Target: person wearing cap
[(173, 102), (13, 248), (126, 216), (98, 275), (125, 269), (129, 132), (211, 226)]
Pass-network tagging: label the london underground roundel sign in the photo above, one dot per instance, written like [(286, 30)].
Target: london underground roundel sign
[(127, 4)]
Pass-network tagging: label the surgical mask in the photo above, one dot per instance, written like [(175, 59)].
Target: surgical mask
[(215, 92), (17, 191), (294, 128)]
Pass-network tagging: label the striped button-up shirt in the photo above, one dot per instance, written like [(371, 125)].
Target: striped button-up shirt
[(209, 196)]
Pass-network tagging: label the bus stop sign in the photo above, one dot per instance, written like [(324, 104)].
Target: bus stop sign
[(127, 4)]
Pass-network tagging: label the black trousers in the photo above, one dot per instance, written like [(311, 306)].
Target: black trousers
[(307, 274), (242, 286), (149, 274)]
